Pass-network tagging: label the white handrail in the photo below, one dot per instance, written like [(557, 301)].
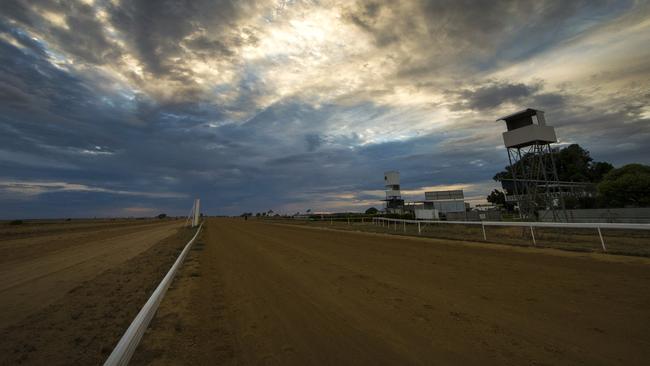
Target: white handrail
[(577, 225), (129, 341)]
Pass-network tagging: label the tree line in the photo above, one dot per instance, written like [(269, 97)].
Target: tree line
[(627, 186)]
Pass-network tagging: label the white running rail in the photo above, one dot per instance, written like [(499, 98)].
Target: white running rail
[(577, 225), (129, 341)]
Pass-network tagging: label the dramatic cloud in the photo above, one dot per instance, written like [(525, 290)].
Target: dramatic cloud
[(134, 107), (37, 188), (493, 95)]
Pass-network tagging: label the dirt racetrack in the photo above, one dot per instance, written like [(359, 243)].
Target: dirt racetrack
[(69, 290), (260, 293), (44, 268)]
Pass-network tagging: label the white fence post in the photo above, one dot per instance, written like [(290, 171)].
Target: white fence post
[(602, 241), (129, 342), (385, 222), (532, 233), (484, 236)]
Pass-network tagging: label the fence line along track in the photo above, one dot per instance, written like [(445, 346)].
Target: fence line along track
[(569, 225), (129, 341)]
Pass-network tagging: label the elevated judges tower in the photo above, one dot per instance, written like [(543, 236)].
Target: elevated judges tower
[(534, 184)]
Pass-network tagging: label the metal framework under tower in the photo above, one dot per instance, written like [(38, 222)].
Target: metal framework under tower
[(535, 182)]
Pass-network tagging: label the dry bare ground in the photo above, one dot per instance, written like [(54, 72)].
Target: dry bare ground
[(68, 292), (625, 242), (262, 293)]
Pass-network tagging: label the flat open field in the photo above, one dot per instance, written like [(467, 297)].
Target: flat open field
[(262, 293), (68, 290)]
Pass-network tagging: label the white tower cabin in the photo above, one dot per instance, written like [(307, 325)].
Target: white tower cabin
[(534, 183), (391, 182), (527, 127)]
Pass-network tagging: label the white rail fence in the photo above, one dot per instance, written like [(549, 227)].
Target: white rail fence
[(332, 220), (382, 221), (129, 341)]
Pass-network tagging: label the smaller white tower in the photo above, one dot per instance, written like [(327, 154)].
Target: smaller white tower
[(394, 201), (391, 182)]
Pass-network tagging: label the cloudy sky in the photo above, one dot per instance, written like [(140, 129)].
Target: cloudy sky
[(131, 108)]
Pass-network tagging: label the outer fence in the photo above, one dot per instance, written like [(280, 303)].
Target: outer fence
[(332, 219), (637, 215), (531, 225), (129, 341)]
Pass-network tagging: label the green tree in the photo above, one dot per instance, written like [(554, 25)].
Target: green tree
[(162, 216), (599, 169), (573, 164), (628, 185), (372, 211), (498, 198)]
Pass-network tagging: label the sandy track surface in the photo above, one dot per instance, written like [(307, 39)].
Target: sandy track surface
[(43, 269), (31, 241), (255, 293), (85, 323)]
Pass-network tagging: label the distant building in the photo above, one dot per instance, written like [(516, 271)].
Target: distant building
[(445, 202), (436, 205)]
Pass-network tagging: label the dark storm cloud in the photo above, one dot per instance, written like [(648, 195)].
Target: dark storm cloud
[(26, 73), (83, 35), (313, 142), (164, 38), (17, 10), (67, 132), (209, 47), (483, 33), (156, 31), (85, 38), (493, 95), (549, 101)]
